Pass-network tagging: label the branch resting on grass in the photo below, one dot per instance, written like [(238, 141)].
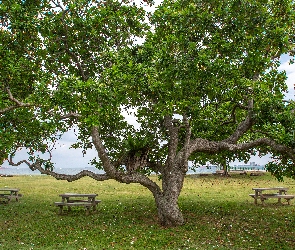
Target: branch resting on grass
[(38, 166)]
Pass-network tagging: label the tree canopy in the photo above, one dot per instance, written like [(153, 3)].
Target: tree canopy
[(204, 85)]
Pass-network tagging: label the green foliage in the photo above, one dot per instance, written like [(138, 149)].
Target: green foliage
[(51, 57), (76, 65), (136, 144), (201, 62)]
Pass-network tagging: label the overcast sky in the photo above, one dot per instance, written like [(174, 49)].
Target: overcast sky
[(63, 156)]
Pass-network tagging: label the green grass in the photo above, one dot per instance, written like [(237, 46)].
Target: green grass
[(219, 215)]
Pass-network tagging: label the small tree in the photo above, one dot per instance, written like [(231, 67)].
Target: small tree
[(203, 83)]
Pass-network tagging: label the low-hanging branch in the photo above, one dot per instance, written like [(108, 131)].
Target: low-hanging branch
[(38, 166)]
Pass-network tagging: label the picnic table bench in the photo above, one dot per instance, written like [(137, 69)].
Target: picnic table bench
[(9, 193), (73, 199), (280, 194)]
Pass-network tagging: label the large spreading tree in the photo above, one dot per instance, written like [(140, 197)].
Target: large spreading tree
[(204, 85)]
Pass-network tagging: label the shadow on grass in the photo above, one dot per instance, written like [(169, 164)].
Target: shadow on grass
[(219, 215)]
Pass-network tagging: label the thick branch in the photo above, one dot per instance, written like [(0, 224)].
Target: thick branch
[(120, 176), (203, 145), (108, 166), (243, 127), (65, 116), (173, 142), (184, 154), (69, 178), (233, 114), (69, 115)]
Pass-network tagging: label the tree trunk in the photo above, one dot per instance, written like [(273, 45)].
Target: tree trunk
[(172, 183), (167, 200), (168, 211)]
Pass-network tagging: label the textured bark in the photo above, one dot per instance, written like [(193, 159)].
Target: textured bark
[(167, 201), (38, 166), (172, 181), (168, 211)]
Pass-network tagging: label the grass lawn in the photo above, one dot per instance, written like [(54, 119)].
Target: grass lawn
[(219, 215)]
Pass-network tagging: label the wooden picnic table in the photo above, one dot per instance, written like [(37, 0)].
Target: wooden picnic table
[(76, 199), (281, 193), (9, 194)]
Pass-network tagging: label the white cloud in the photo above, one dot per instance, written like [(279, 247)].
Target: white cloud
[(63, 156), (147, 7), (289, 68), (257, 159), (290, 71), (130, 118)]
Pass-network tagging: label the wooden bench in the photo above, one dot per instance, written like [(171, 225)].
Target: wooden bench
[(256, 173), (86, 201), (10, 194), (74, 203), (278, 196), (5, 197)]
